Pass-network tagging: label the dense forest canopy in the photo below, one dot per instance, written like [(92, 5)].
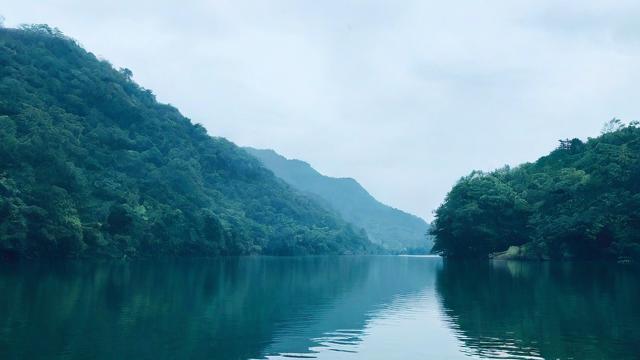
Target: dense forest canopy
[(391, 228), (580, 201), (91, 164)]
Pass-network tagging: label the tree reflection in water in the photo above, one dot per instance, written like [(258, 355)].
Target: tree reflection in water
[(228, 308), (563, 310)]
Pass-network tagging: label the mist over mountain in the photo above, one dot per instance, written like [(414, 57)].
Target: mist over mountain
[(389, 227)]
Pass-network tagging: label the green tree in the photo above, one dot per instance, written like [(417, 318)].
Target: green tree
[(93, 165), (580, 201)]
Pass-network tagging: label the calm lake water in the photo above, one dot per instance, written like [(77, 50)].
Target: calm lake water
[(318, 307)]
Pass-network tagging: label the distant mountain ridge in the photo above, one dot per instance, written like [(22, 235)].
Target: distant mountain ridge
[(392, 228)]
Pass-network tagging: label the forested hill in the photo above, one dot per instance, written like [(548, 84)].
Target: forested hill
[(389, 227), (91, 164), (580, 201)]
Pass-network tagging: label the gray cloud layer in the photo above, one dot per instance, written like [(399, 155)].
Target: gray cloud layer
[(404, 96)]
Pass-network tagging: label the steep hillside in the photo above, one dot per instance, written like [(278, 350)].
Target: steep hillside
[(389, 227), (91, 164)]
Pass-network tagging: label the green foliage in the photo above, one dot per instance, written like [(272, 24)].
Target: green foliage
[(582, 201), (91, 164)]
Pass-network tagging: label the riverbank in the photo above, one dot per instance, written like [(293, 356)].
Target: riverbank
[(527, 252)]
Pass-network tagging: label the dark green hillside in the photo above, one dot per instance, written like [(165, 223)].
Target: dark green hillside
[(91, 164), (389, 227), (580, 201)]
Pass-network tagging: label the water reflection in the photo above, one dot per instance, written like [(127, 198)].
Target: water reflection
[(318, 307), (238, 308), (552, 310), (339, 327)]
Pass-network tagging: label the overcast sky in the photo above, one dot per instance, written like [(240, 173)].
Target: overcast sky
[(404, 96)]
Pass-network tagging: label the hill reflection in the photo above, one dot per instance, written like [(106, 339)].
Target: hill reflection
[(234, 308), (552, 310)]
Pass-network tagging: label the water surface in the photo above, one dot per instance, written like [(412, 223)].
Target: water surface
[(318, 307)]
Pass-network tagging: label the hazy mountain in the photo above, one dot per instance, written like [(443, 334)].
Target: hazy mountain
[(387, 226), (91, 164)]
